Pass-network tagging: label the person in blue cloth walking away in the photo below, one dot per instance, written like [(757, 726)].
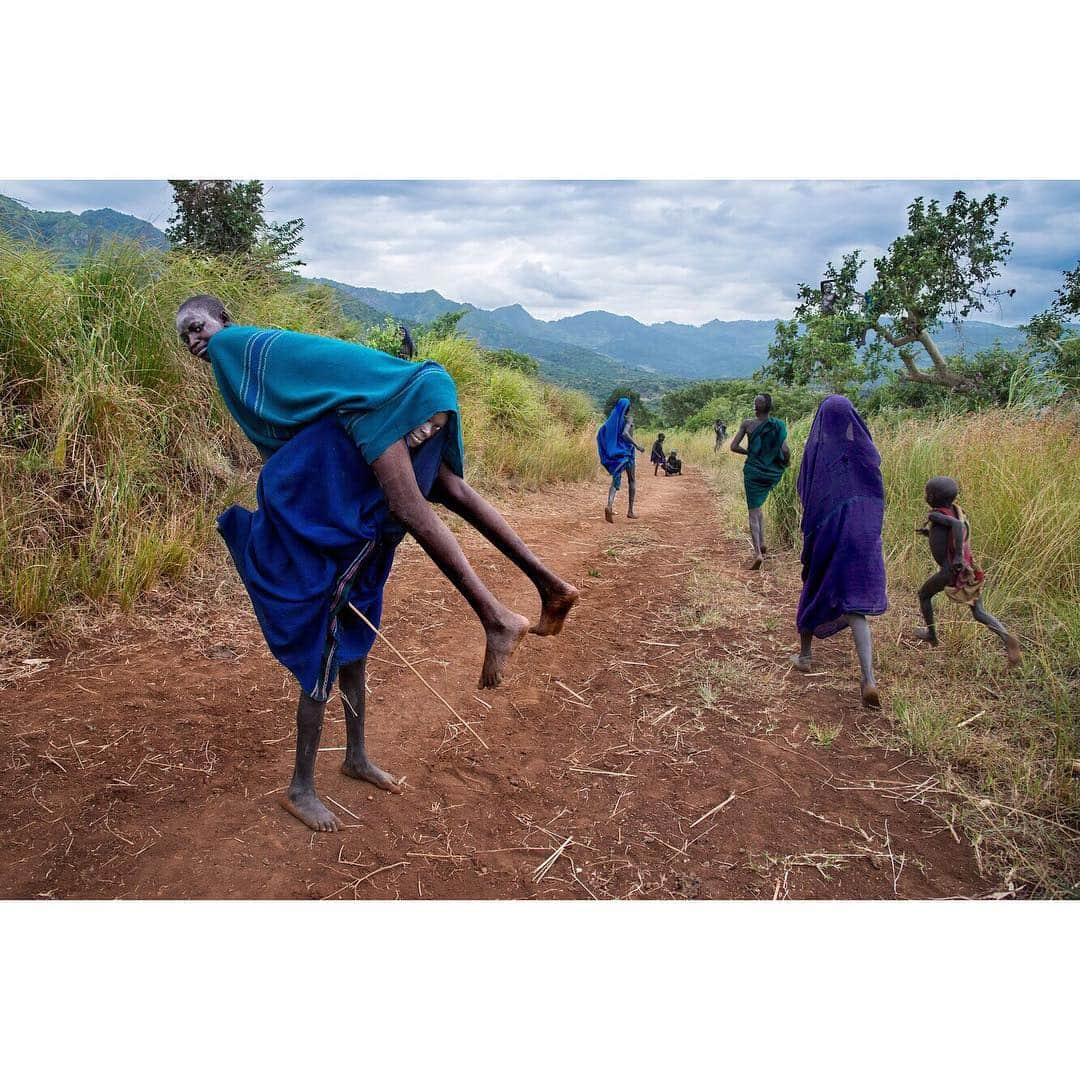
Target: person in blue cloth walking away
[(355, 444), (615, 442), (843, 499), (767, 456)]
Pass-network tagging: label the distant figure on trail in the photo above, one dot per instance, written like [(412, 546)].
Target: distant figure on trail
[(355, 444), (958, 576), (656, 455), (721, 434), (843, 499), (673, 465), (767, 456), (615, 442)]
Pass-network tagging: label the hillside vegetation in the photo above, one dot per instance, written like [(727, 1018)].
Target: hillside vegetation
[(116, 452), (1005, 743)]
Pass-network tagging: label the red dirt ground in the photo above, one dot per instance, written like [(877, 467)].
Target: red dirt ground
[(661, 744)]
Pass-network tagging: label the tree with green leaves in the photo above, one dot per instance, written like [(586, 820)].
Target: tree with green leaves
[(641, 411), (225, 217), (942, 267), (1050, 331)]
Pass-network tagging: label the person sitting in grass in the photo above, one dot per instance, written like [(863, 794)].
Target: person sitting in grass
[(615, 442), (958, 576), (656, 455), (843, 499), (767, 456), (355, 444)]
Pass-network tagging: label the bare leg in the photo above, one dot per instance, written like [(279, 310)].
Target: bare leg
[(803, 660), (557, 597), (757, 526), (609, 511), (503, 627), (631, 491), (300, 798), (930, 588), (1012, 646), (357, 764), (864, 649)]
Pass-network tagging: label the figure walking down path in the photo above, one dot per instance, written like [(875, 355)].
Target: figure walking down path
[(615, 442), (767, 456), (843, 498)]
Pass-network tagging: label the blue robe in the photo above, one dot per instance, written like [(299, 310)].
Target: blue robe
[(321, 538), (276, 382), (616, 451)]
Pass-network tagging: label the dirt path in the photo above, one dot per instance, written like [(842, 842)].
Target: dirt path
[(661, 745)]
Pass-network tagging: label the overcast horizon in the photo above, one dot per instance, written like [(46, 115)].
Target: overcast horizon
[(682, 251)]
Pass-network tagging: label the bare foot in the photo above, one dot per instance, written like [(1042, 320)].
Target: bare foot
[(632, 517), (801, 663), (501, 643), (555, 606), (871, 699), (755, 562), (929, 636), (362, 769), (1012, 651), (308, 807), (609, 517)]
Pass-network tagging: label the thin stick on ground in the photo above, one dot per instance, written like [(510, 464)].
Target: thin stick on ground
[(382, 637)]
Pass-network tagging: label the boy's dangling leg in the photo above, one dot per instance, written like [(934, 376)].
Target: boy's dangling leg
[(353, 696), (557, 597), (503, 628), (1012, 646), (300, 798)]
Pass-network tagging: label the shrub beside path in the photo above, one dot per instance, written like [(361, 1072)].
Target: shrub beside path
[(660, 747)]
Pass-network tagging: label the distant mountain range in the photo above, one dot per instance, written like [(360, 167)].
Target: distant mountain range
[(594, 351), (73, 236)]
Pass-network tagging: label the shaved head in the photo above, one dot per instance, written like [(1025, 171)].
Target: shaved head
[(941, 490), (198, 320)]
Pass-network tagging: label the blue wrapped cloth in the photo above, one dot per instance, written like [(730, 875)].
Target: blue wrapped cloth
[(321, 538), (843, 498), (276, 382), (616, 451)]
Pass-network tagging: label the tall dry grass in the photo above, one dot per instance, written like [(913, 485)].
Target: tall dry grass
[(117, 453), (1012, 767)]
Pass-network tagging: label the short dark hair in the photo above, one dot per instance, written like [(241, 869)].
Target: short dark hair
[(204, 302), (767, 398), (941, 490)]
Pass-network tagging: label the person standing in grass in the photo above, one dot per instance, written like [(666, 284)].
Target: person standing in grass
[(656, 456), (721, 433), (958, 576), (615, 442), (767, 456), (843, 499)]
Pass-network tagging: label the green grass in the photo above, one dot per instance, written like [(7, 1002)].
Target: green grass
[(117, 452), (1003, 743)]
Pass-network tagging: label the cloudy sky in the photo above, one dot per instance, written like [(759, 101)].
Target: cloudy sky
[(688, 251)]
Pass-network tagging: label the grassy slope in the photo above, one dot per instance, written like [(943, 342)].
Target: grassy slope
[(1012, 758), (116, 452)]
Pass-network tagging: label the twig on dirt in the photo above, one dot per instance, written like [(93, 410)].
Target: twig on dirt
[(662, 644), (964, 723), (340, 807), (709, 813), (541, 871), (360, 880), (599, 772), (568, 690), (382, 637)]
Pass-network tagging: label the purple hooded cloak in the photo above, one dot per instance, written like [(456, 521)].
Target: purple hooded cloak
[(843, 498)]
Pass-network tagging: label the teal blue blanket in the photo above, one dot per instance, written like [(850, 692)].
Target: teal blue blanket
[(276, 382)]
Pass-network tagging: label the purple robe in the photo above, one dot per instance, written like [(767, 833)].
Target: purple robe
[(843, 498)]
